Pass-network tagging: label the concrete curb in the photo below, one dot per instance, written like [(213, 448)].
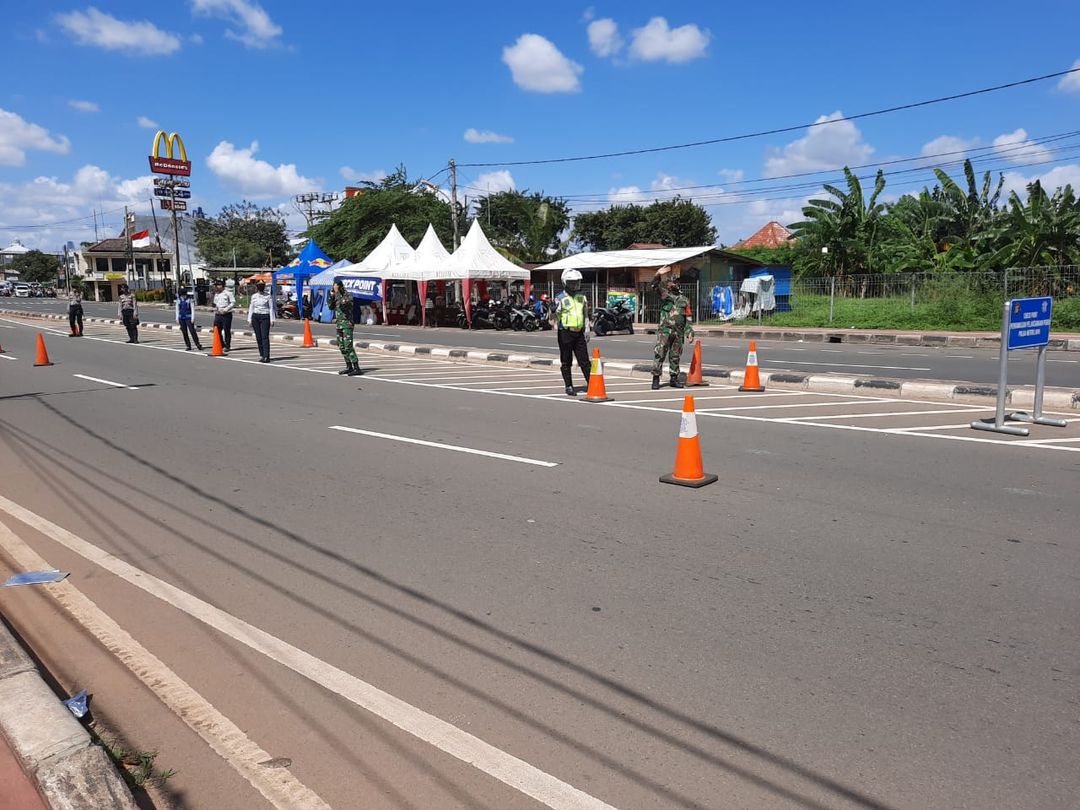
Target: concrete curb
[(51, 745), (1054, 399)]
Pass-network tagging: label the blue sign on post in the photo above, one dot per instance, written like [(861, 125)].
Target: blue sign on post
[(1029, 322)]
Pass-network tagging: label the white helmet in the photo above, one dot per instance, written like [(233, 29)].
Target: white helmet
[(570, 275)]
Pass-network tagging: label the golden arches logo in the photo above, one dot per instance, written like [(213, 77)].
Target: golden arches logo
[(175, 161), (170, 141)]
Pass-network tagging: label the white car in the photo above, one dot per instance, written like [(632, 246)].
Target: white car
[(22, 290)]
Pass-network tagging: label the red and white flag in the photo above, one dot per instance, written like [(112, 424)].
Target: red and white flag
[(140, 239)]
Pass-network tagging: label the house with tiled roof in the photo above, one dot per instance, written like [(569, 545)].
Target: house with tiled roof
[(107, 264), (770, 235)]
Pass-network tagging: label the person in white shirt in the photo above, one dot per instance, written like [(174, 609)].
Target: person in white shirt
[(224, 303), (261, 317)]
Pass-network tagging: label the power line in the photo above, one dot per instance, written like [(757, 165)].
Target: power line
[(781, 130)]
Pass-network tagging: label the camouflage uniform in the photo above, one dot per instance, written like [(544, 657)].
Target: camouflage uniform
[(671, 331), (343, 319)]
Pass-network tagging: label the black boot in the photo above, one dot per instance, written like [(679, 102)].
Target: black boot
[(571, 391), (347, 369), (656, 382), (354, 369), (676, 381)]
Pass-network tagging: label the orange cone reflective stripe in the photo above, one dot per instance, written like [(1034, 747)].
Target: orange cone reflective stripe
[(597, 390), (751, 379)]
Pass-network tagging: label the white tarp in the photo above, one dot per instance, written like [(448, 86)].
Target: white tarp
[(392, 251), (476, 258), (763, 288), (647, 257)]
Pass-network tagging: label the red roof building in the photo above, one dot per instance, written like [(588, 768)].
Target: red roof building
[(771, 235)]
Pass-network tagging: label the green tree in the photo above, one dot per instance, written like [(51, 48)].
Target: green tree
[(36, 266), (673, 223), (354, 228), (1043, 230), (257, 235), (780, 256), (839, 232), (526, 225)]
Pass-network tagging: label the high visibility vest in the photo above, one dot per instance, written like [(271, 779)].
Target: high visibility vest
[(572, 312)]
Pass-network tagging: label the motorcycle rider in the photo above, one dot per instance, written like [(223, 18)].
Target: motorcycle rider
[(673, 328), (572, 314)]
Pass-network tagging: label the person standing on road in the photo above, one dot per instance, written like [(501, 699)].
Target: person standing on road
[(672, 329), (129, 313), (185, 317), (224, 303), (75, 312), (261, 317), (341, 302), (572, 314)]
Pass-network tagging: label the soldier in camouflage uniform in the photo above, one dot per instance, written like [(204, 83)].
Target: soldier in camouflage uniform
[(674, 328), (341, 301)]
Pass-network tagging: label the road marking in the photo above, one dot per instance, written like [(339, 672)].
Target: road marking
[(855, 365), (1063, 361), (788, 405), (888, 413), (506, 768), (8, 357), (106, 382), (1049, 441), (441, 446), (547, 346), (278, 786)]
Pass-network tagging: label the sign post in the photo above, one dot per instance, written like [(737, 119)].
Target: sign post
[(1025, 324), (174, 165)]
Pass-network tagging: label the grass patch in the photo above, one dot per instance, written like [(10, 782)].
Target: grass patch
[(137, 767)]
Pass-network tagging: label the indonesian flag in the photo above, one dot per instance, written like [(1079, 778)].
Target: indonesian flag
[(140, 239)]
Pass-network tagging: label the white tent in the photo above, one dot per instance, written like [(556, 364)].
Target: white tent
[(477, 259), (423, 266), (392, 251), (649, 257)]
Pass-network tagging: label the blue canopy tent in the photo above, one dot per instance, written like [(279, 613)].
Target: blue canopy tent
[(363, 288), (310, 262)]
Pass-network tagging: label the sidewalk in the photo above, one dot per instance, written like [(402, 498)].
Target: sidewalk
[(17, 791)]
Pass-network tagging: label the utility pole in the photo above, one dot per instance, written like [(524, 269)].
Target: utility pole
[(453, 199), (310, 205), (130, 247)]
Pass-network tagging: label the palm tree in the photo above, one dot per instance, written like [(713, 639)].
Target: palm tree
[(967, 215), (1043, 231), (846, 224)]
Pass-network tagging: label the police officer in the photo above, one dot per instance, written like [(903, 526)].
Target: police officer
[(572, 316)]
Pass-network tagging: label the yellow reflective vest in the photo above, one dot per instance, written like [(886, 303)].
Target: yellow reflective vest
[(572, 312)]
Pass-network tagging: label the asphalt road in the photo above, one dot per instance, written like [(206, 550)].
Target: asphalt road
[(908, 362), (848, 619)]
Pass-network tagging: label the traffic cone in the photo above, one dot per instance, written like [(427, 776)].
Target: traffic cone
[(217, 349), (2, 350), (689, 471), (42, 354), (751, 380), (693, 378), (308, 341), (597, 390)]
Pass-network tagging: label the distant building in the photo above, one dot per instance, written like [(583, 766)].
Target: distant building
[(7, 256), (770, 235), (107, 264)]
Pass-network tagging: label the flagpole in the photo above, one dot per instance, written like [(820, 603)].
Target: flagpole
[(130, 247)]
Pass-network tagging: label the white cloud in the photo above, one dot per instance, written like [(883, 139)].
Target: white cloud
[(588, 14), (537, 65), (44, 200), (257, 30), (604, 39), (241, 171), (93, 27), (663, 186), (486, 136), (657, 41), (84, 106), (147, 123), (17, 135), (825, 147), (1071, 83), (1016, 148), (626, 194), (951, 145), (492, 183), (1052, 180), (351, 175), (732, 175)]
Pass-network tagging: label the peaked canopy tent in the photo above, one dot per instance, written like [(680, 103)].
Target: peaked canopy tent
[(476, 259), (424, 265), (310, 262)]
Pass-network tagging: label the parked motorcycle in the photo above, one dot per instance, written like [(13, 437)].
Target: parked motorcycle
[(522, 317), (619, 318), (287, 310), (485, 316)]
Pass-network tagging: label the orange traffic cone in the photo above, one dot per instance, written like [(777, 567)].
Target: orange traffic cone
[(217, 349), (2, 350), (597, 390), (308, 341), (751, 380), (42, 354), (689, 471), (693, 378)]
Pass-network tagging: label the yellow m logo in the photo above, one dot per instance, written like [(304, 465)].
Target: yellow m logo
[(170, 141)]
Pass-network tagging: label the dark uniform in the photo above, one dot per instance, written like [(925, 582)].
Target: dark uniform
[(571, 311), (343, 320), (674, 328)]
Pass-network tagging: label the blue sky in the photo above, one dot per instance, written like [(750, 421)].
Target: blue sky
[(277, 98)]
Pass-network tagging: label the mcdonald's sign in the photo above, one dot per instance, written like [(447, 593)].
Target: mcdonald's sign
[(172, 163)]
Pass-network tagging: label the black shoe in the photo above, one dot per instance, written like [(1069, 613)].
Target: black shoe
[(571, 391), (188, 349), (346, 370), (676, 382), (655, 383), (199, 348)]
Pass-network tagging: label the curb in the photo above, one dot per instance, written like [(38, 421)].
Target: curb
[(50, 744), (1054, 399)]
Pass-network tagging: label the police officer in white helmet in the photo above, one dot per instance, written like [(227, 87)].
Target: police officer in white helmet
[(572, 318)]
